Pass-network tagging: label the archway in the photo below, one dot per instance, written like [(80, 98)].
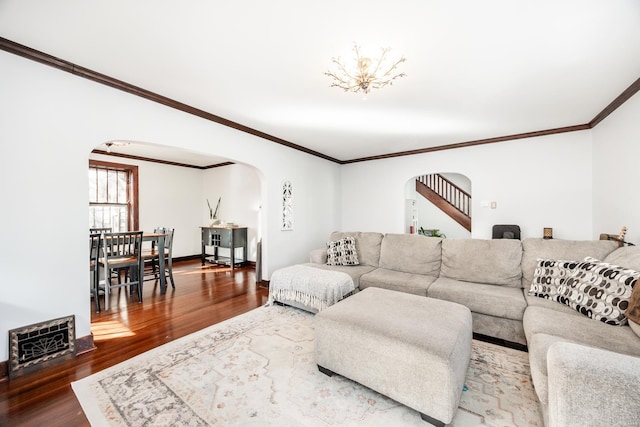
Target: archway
[(175, 184), (424, 216)]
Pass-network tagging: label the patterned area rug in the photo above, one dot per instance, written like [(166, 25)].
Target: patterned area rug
[(258, 369)]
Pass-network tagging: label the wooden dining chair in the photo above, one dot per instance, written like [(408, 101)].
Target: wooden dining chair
[(151, 257), (122, 251), (95, 251), (93, 230)]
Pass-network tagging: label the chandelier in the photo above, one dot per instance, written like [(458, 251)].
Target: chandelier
[(366, 73)]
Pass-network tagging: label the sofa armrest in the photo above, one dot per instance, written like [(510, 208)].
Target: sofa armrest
[(592, 387), (318, 256)]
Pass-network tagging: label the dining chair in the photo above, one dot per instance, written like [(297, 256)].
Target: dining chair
[(122, 251), (95, 250), (93, 230), (151, 257)]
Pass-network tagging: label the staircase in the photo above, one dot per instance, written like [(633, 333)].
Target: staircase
[(447, 196)]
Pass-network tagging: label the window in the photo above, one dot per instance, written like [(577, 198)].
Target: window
[(113, 196)]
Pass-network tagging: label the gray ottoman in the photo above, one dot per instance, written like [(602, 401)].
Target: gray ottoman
[(413, 349)]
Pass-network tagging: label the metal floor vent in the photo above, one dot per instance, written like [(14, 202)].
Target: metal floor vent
[(37, 345)]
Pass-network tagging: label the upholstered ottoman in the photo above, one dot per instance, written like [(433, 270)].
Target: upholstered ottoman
[(413, 349), (309, 288)]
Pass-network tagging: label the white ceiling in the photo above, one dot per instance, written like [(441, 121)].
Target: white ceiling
[(475, 69)]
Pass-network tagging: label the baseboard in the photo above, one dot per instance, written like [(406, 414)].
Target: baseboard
[(85, 345), (4, 371), (194, 257), (186, 258)]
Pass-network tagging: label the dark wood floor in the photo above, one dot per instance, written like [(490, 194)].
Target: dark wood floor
[(203, 296)]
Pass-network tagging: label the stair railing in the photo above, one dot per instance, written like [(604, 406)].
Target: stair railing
[(454, 195)]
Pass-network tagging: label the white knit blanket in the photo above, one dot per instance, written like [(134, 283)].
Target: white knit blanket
[(312, 287)]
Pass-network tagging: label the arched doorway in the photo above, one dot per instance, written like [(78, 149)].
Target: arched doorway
[(438, 204)]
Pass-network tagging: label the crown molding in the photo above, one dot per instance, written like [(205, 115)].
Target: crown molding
[(61, 64), (472, 143), (44, 58), (621, 99), (164, 162)]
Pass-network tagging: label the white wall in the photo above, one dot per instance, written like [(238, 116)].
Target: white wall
[(51, 120), (168, 196), (240, 190), (616, 172), (536, 182), (49, 123)]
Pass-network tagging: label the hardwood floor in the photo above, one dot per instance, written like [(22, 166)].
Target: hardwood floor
[(203, 296)]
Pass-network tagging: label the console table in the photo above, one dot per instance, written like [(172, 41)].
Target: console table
[(230, 238)]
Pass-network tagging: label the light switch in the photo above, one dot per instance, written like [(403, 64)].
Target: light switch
[(494, 205)]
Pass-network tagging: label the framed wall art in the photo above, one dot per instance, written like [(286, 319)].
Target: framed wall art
[(287, 206)]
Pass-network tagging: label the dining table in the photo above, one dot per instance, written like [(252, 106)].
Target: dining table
[(159, 239)]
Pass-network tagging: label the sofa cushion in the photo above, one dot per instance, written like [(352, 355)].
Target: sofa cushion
[(495, 262), (560, 249), (581, 330), (397, 281), (533, 301), (592, 387), (545, 326), (626, 256), (499, 301), (538, 346), (549, 275), (367, 245), (599, 290), (342, 252), (411, 253), (318, 256), (354, 271), (635, 327)]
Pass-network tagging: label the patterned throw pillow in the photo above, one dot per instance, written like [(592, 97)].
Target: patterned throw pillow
[(549, 275), (599, 290), (342, 252)]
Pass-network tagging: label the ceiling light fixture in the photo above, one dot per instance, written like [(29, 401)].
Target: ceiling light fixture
[(366, 73)]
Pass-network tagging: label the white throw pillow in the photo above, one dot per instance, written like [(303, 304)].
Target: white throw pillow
[(549, 275), (599, 290), (342, 252)]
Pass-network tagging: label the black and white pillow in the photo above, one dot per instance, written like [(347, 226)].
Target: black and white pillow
[(549, 275), (342, 252), (599, 290)]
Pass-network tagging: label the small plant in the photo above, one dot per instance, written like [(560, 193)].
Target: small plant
[(214, 214), (431, 233)]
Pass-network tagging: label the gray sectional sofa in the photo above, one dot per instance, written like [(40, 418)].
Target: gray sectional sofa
[(585, 372)]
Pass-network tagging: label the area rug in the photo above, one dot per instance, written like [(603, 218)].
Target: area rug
[(258, 369)]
